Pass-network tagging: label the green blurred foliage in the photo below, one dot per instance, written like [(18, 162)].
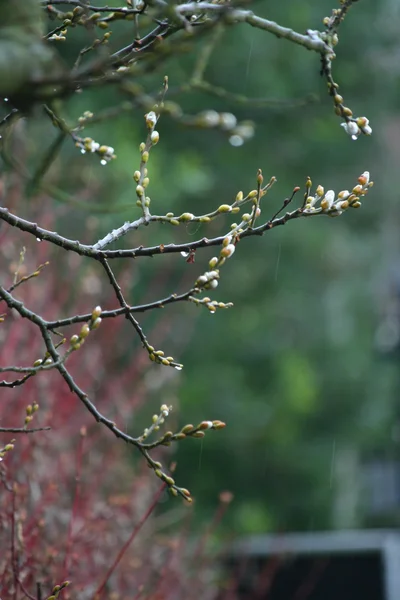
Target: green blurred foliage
[(294, 368)]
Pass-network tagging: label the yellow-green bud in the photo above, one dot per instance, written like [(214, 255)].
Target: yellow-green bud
[(96, 313), (84, 331), (224, 208), (186, 217)]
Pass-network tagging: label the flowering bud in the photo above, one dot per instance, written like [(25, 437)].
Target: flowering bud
[(136, 176), (139, 190), (145, 156), (327, 202), (205, 425), (224, 208), (155, 136), (151, 119), (351, 128), (364, 178), (227, 251)]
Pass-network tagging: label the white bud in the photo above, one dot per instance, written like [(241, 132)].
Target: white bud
[(202, 280), (155, 136), (330, 197), (228, 250), (211, 275), (351, 128), (227, 121), (151, 119), (366, 176)]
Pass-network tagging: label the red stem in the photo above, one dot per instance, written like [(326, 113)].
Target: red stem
[(125, 547), (79, 457)]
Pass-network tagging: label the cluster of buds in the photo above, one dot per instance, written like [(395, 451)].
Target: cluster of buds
[(209, 280), (170, 481), (227, 122), (157, 420), (57, 589), (158, 356), (329, 204), (186, 431), (58, 37), (151, 120), (141, 175), (76, 341), (73, 18), (106, 153), (87, 115), (5, 449), (212, 305), (355, 127), (30, 410), (190, 431), (198, 431)]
